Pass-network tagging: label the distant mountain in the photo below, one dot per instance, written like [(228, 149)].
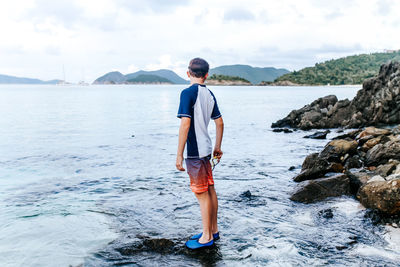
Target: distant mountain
[(7, 79), (111, 78), (253, 74), (148, 78), (347, 70), (167, 74), (117, 77)]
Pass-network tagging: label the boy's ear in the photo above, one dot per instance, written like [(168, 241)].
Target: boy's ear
[(188, 74), (206, 76)]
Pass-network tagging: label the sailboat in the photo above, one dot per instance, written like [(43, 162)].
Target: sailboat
[(82, 82), (63, 82)]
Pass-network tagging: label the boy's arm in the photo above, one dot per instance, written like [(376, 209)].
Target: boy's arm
[(183, 133), (219, 124)]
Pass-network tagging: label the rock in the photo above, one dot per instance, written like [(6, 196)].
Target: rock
[(160, 245), (381, 153), (372, 131), (319, 189), (392, 177), (348, 136), (386, 169), (370, 143), (376, 178), (318, 135), (335, 149), (353, 162), (291, 168), (309, 161), (381, 195), (357, 180), (327, 213), (246, 195), (317, 168), (329, 160), (311, 113), (285, 130), (377, 103)]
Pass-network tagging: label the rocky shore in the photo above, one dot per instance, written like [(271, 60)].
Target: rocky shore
[(376, 104), (364, 163)]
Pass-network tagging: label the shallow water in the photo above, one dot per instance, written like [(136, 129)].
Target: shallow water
[(87, 174)]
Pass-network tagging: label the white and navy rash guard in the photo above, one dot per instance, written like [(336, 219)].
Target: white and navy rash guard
[(198, 103)]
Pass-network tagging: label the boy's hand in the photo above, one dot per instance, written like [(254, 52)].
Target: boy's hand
[(179, 162), (217, 153)]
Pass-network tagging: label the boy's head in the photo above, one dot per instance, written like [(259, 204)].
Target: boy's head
[(198, 68)]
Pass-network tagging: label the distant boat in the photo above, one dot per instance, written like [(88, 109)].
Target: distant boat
[(83, 83), (63, 82)]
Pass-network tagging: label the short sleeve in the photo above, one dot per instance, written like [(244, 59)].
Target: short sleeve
[(185, 105), (215, 113)]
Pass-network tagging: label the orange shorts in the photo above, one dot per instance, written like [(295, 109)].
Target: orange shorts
[(200, 174)]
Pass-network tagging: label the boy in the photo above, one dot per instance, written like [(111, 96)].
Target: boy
[(197, 106)]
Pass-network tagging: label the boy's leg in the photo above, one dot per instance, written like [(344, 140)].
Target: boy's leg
[(214, 212), (206, 216)]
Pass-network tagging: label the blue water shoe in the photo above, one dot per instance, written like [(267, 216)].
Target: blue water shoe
[(215, 236), (194, 244)]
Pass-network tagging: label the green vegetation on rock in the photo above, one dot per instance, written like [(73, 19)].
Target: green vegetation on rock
[(148, 78), (227, 78), (253, 74), (347, 70)]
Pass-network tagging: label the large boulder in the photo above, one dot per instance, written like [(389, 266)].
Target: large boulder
[(382, 153), (378, 102), (381, 195), (322, 188)]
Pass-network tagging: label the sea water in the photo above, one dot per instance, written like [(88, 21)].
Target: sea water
[(88, 170)]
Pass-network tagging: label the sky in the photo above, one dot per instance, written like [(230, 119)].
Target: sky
[(90, 38)]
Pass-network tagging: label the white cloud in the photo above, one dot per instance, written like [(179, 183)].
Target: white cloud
[(128, 35)]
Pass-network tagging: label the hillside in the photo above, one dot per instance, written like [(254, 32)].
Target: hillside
[(7, 79), (149, 78), (347, 70), (253, 74), (116, 77)]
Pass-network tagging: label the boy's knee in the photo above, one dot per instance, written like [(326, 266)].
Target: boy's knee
[(201, 195)]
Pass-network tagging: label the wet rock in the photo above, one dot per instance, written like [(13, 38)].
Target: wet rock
[(348, 136), (317, 168), (327, 213), (322, 188), (309, 161), (246, 195), (383, 196), (353, 162), (358, 179), (382, 153), (335, 149), (377, 103), (160, 245), (318, 135), (285, 130), (386, 169), (291, 168)]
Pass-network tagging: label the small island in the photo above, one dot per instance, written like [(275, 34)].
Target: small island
[(226, 80), (148, 79)]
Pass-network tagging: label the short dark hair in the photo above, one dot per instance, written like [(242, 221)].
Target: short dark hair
[(198, 67)]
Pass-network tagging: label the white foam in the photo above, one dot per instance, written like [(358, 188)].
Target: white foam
[(392, 236), (348, 206)]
